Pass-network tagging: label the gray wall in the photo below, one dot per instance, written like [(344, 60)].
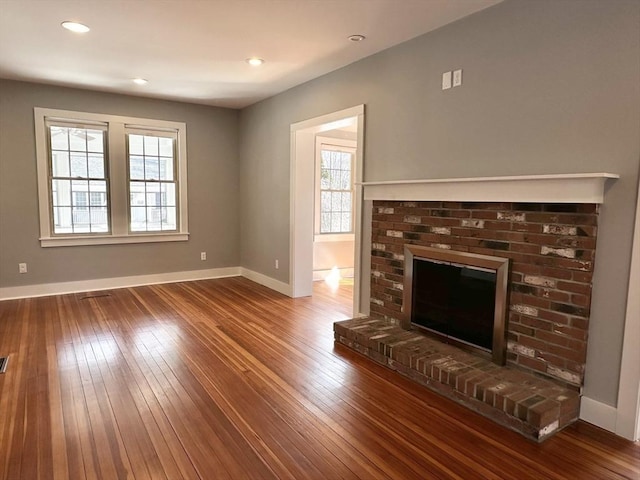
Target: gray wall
[(550, 86), (212, 140)]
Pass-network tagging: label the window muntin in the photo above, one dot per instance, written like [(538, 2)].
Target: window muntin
[(152, 182), (77, 169), (336, 190)]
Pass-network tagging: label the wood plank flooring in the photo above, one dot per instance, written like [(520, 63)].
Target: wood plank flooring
[(225, 379)]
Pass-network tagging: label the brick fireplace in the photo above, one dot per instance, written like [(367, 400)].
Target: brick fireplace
[(551, 247), (546, 226)]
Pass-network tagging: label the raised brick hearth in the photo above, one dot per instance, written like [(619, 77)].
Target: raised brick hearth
[(552, 250), (531, 405)]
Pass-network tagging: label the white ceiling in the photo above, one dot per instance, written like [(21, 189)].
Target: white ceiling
[(195, 50)]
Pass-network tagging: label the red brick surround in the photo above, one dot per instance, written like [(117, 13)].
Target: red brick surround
[(551, 247)]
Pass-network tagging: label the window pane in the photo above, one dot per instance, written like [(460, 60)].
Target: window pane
[(61, 192), (78, 139), (96, 165), (99, 221), (60, 164), (82, 227), (79, 165), (335, 222), (326, 159), (325, 181), (169, 218), (345, 180), (346, 202), (98, 189), (96, 199), (150, 145), (154, 197), (154, 218), (325, 223), (80, 186), (81, 219), (59, 138), (336, 201), (137, 194), (138, 219), (325, 202), (169, 194), (335, 160), (335, 180), (346, 222), (62, 220), (166, 147), (95, 141), (136, 168), (166, 168), (151, 168), (80, 199), (346, 161), (135, 145)]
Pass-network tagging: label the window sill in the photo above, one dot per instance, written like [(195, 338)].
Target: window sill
[(112, 239), (334, 237)]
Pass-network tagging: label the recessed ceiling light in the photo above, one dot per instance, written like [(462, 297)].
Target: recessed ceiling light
[(254, 61), (140, 81), (356, 38), (75, 27)]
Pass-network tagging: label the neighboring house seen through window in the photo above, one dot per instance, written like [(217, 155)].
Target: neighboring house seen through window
[(110, 179)]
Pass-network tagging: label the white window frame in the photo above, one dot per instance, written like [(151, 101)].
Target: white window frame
[(116, 164), (342, 145)]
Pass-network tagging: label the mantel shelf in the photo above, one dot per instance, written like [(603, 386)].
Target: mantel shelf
[(560, 188)]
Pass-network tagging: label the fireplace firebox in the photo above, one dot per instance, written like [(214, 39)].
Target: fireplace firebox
[(459, 297)]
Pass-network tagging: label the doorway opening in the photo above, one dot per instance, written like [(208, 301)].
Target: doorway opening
[(326, 201)]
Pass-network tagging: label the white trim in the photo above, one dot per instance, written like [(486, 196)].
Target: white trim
[(46, 289), (268, 282), (598, 413), (628, 420), (301, 204), (112, 239), (561, 188)]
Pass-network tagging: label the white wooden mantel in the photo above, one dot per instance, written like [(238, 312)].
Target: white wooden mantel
[(560, 188)]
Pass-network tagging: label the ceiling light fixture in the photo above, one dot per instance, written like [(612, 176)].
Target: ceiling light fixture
[(356, 38), (255, 61), (140, 81), (75, 27)]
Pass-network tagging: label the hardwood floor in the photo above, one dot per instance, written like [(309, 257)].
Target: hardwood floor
[(226, 379)]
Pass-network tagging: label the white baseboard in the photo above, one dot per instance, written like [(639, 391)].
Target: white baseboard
[(598, 413), (45, 289), (268, 282)]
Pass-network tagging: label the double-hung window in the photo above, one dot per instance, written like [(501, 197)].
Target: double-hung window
[(334, 188), (110, 179), (152, 181), (77, 170)]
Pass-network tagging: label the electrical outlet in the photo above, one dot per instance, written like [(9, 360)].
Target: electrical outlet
[(22, 267), (203, 255), (277, 264), (457, 78)]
